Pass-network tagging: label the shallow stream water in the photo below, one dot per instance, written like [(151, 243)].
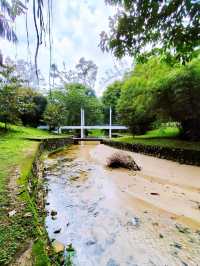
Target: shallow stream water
[(121, 217)]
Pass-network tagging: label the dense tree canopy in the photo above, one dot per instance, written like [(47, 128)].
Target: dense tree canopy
[(31, 106), (145, 27), (155, 91), (178, 97), (9, 84), (18, 103), (76, 96), (135, 103)]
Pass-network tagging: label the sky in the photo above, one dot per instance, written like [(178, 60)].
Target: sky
[(77, 25)]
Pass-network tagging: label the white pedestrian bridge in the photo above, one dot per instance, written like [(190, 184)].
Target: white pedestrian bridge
[(83, 127), (113, 127)]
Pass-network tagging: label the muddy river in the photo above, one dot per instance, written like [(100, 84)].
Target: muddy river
[(120, 217)]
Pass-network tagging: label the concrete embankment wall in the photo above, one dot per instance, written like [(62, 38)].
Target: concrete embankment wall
[(184, 156)]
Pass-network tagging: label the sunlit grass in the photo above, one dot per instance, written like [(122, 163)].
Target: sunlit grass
[(164, 137), (163, 132)]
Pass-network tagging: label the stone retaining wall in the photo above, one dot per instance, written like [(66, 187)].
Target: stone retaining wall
[(55, 143), (184, 156), (36, 194)]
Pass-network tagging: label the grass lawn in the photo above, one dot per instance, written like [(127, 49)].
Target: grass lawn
[(16, 154), (14, 149), (163, 132), (164, 137)]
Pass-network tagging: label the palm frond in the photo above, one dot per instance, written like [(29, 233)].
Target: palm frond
[(6, 7), (8, 14), (6, 30)]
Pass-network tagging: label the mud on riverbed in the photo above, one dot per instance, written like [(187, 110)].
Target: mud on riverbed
[(121, 217)]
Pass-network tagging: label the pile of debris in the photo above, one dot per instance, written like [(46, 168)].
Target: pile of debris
[(122, 160)]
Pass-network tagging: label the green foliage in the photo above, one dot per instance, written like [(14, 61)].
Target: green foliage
[(146, 27), (110, 99), (31, 106), (18, 104), (162, 132), (178, 97), (8, 97), (8, 105), (54, 115), (135, 103), (157, 92), (72, 98), (39, 253), (70, 254)]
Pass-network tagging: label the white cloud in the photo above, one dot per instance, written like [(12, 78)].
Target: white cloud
[(76, 28)]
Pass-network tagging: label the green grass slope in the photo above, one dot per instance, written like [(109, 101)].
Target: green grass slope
[(16, 156), (164, 137)]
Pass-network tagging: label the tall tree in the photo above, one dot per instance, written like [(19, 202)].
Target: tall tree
[(31, 106), (85, 73), (54, 115), (26, 71), (145, 27), (9, 84), (110, 99), (73, 97), (136, 99)]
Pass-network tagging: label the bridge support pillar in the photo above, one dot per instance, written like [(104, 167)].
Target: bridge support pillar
[(82, 123), (110, 129)]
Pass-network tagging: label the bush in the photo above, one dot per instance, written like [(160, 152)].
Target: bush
[(118, 160), (178, 97)]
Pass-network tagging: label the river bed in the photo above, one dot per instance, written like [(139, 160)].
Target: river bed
[(120, 217)]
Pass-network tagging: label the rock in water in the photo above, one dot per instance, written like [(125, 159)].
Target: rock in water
[(135, 221), (57, 231), (53, 213), (58, 246)]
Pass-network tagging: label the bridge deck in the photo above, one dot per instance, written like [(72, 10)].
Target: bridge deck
[(95, 127)]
